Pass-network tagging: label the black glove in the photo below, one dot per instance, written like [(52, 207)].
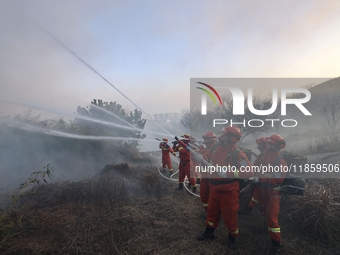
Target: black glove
[(176, 138), (175, 142)]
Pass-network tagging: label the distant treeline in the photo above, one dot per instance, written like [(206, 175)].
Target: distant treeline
[(26, 142)]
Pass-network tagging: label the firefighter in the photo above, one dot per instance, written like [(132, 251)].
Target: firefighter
[(184, 163), (224, 192), (209, 138), (262, 146), (166, 150), (268, 187), (195, 146)]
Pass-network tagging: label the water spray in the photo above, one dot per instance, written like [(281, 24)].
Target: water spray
[(114, 115), (52, 132), (95, 71), (101, 76), (133, 128)]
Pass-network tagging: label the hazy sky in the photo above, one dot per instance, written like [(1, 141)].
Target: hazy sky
[(149, 50)]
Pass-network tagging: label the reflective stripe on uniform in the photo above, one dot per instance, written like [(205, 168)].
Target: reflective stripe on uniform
[(274, 230), (180, 148), (205, 205), (254, 200), (211, 223), (234, 232), (236, 174)]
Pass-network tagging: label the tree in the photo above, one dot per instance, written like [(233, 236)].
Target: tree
[(194, 122), (109, 119), (329, 109)]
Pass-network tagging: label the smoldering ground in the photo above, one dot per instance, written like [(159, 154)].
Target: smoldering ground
[(76, 150)]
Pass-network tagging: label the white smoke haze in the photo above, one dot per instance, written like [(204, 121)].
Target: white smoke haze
[(149, 50), (154, 48)]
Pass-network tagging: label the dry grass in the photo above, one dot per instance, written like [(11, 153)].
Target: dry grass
[(130, 210), (320, 211)]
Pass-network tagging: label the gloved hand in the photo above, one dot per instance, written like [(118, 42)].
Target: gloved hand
[(254, 179), (175, 142), (174, 154), (176, 138)]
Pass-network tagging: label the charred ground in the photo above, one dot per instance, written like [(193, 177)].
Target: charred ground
[(129, 208)]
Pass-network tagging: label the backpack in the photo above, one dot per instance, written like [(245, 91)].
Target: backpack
[(294, 183), (247, 151)]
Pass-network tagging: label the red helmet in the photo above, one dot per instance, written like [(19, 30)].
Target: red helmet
[(209, 137), (262, 140), (165, 140), (277, 139), (262, 144), (234, 133), (186, 138)]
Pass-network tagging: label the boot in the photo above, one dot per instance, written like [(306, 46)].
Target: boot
[(170, 173), (207, 235), (194, 189), (275, 248), (198, 181), (180, 186), (232, 243)]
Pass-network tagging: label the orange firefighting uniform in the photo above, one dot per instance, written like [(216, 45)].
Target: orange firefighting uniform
[(166, 161), (225, 192), (269, 193), (194, 162), (185, 164), (255, 198), (204, 181)]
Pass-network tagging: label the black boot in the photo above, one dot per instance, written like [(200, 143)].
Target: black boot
[(180, 186), (170, 173), (275, 248), (194, 189), (232, 243), (207, 235)]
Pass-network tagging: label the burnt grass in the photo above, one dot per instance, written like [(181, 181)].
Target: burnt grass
[(130, 209)]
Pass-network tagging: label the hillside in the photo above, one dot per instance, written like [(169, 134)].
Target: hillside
[(129, 208), (326, 88), (319, 93)]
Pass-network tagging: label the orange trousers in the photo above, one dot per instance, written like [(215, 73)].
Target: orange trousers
[(224, 200), (255, 199), (184, 170), (204, 192), (269, 203), (166, 161)]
